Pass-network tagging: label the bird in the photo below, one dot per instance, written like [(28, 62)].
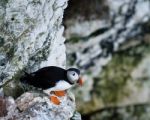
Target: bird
[(53, 79)]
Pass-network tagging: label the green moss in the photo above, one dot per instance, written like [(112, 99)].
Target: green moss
[(74, 39), (111, 86), (42, 33), (3, 2), (40, 56), (10, 53), (71, 59), (12, 87), (17, 76), (29, 21), (26, 21)]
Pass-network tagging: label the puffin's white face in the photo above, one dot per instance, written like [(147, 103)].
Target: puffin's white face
[(72, 76)]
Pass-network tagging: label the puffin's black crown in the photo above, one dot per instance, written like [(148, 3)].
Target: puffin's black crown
[(74, 69)]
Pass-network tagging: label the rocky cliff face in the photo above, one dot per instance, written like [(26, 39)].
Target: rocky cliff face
[(36, 106), (31, 38), (91, 42), (111, 48)]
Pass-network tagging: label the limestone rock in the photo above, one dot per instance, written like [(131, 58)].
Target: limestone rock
[(30, 36), (37, 106)]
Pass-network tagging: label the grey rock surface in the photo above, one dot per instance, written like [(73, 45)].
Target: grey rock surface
[(30, 36), (91, 42), (113, 54), (37, 106)]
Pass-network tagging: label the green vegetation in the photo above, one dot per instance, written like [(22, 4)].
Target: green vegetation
[(10, 53), (74, 39), (114, 77), (3, 2), (12, 87), (111, 87)]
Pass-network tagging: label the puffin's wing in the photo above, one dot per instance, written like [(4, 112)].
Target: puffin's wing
[(52, 73), (48, 77)]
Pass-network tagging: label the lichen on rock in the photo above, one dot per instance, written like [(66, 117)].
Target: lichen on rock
[(31, 37), (37, 106)]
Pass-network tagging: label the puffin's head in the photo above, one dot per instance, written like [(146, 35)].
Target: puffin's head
[(73, 76)]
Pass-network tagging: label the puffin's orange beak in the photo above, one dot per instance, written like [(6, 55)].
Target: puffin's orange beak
[(80, 81)]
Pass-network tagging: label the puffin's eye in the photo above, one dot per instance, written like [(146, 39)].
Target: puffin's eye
[(73, 74)]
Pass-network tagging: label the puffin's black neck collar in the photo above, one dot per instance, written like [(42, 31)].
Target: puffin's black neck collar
[(69, 82)]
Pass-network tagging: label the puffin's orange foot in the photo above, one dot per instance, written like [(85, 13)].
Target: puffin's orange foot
[(60, 93), (55, 100)]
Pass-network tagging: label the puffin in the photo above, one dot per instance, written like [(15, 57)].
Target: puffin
[(53, 79)]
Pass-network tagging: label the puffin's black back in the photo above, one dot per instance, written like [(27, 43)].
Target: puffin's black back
[(45, 77)]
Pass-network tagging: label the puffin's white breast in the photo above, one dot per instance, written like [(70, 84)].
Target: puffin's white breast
[(60, 86)]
